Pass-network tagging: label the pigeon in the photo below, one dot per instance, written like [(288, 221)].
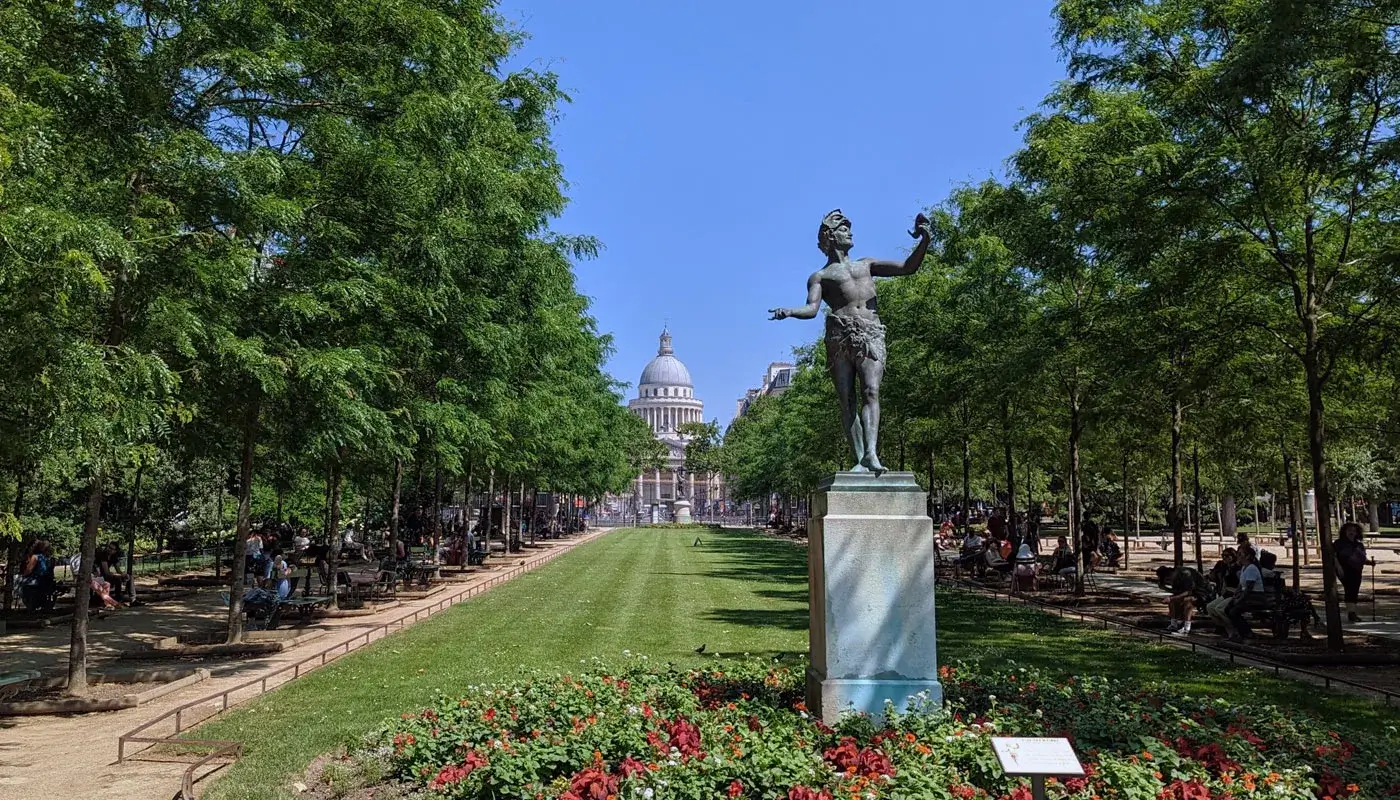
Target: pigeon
[(700, 649)]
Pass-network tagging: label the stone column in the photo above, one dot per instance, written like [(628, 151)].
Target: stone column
[(871, 564)]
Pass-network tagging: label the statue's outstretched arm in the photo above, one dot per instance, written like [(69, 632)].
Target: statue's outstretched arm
[(814, 302), (885, 269)]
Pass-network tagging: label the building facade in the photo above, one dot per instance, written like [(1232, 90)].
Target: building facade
[(776, 379), (666, 400)]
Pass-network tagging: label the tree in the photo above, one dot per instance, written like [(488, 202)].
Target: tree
[(1281, 115)]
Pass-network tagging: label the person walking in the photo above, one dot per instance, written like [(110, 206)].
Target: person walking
[(1350, 551)]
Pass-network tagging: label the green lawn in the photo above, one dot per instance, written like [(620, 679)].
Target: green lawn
[(652, 592)]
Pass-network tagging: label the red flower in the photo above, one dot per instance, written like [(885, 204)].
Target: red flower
[(684, 736), (868, 762), (630, 766), (591, 784), (962, 791), (807, 793), (489, 715), (1184, 790), (455, 773), (736, 789)]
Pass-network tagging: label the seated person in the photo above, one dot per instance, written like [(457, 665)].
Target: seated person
[(1250, 594), (1184, 584), (1223, 575), (1109, 550), (281, 575), (973, 541), (1063, 561), (1025, 567), (993, 560)]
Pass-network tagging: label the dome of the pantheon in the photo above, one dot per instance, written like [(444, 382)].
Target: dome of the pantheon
[(665, 369)]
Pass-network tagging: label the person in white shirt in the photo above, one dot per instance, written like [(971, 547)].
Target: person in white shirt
[(1229, 612)]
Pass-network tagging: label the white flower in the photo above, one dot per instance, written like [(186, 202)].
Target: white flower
[(670, 763), (648, 793)]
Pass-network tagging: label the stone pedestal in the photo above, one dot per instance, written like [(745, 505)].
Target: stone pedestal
[(871, 564), (680, 512)]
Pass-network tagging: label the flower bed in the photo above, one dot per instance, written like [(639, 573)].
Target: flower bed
[(741, 730)]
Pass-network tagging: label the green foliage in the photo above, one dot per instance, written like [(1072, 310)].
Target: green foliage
[(742, 729)]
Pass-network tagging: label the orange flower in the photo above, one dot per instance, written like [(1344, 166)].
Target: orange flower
[(1353, 788), (909, 737), (1226, 779), (923, 749), (1146, 755)]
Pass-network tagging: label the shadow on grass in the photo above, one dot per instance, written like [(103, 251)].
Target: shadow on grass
[(748, 557), (793, 619)]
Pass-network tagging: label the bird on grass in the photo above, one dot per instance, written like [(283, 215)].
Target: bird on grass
[(700, 650)]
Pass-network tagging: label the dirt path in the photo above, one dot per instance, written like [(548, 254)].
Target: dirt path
[(76, 756)]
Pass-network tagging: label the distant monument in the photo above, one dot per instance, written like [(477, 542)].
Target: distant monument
[(871, 553), (680, 510)]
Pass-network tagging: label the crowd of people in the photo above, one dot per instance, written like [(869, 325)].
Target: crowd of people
[(38, 587), (1012, 547)]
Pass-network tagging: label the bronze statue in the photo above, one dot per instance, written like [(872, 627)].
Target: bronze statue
[(855, 338)]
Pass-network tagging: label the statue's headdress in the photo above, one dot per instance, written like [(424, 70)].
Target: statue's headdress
[(830, 223)]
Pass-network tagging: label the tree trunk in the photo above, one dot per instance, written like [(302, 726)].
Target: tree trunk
[(437, 510), (1178, 517), (1373, 516), (1010, 471), (333, 519), (14, 548), (1127, 542), (131, 538), (505, 513), (1303, 520), (490, 501), (82, 592), (395, 502), (967, 486), (932, 505), (245, 523), (1196, 528), (1317, 443), (1076, 494), (1295, 516), (1229, 518)]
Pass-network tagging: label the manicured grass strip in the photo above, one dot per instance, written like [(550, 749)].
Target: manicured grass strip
[(648, 591), (653, 592)]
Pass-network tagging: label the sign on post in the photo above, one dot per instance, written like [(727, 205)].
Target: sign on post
[(1037, 758)]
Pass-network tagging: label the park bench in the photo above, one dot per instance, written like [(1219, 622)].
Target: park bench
[(1269, 609)]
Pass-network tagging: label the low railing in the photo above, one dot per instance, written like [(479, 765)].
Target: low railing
[(259, 686), (1257, 662)]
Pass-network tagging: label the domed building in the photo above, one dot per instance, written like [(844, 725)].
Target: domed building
[(666, 400), (665, 395)]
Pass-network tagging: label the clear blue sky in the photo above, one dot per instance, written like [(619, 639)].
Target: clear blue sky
[(706, 140)]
